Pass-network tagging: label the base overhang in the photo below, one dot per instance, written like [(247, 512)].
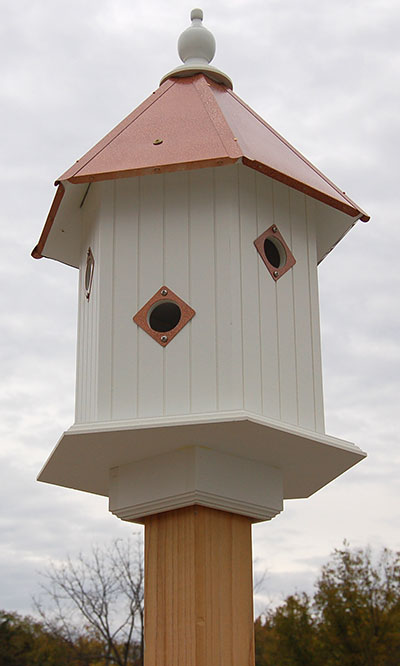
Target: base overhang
[(307, 460)]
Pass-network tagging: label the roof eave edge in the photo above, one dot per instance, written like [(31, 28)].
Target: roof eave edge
[(348, 208), (151, 170), (37, 252)]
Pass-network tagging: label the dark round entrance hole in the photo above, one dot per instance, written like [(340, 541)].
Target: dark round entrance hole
[(164, 316), (275, 252)]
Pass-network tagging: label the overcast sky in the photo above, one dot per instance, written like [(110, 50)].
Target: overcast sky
[(326, 76)]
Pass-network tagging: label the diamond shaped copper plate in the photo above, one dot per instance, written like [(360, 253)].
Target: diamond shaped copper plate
[(164, 315), (270, 246)]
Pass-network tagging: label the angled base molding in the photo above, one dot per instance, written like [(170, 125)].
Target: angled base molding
[(195, 475)]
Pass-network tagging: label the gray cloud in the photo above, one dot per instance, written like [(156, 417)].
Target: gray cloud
[(325, 76)]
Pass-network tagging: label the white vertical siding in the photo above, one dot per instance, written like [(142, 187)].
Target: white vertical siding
[(302, 312), (250, 295), (253, 343), (312, 221), (202, 256), (125, 299), (285, 313), (268, 324), (105, 318), (176, 276), (228, 290), (87, 356), (151, 357)]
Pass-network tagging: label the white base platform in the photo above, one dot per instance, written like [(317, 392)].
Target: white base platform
[(195, 475), (86, 453)]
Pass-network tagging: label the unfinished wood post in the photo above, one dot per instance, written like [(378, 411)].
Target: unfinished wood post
[(198, 589)]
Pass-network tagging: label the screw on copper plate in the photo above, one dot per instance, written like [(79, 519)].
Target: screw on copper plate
[(163, 318), (274, 252), (157, 142)]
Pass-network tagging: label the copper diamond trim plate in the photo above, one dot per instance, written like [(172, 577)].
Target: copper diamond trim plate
[(164, 293), (275, 271)]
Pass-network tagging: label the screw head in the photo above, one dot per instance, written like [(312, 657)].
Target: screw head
[(164, 338), (164, 292), (276, 273), (274, 228)]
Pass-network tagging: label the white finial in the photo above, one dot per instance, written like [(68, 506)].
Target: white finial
[(196, 44), (196, 14), (196, 48)]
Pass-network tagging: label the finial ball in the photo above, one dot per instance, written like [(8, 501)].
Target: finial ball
[(196, 14), (196, 43)]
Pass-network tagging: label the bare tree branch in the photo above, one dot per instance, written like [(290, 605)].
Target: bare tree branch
[(100, 595)]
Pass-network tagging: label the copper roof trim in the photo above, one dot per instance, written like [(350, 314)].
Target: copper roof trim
[(343, 206), (38, 249)]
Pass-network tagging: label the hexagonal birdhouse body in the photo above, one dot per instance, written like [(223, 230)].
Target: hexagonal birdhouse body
[(253, 343), (197, 231)]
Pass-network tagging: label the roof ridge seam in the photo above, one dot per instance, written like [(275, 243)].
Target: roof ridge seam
[(151, 101), (296, 152), (207, 93)]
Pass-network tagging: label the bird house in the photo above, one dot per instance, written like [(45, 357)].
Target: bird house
[(197, 231)]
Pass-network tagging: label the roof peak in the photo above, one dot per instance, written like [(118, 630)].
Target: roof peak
[(196, 48)]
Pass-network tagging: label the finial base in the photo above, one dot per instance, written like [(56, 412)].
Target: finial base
[(191, 69)]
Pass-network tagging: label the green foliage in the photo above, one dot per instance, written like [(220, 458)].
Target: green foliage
[(352, 620), (24, 642), (27, 642), (358, 603)]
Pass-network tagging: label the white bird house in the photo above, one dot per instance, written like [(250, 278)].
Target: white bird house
[(197, 231)]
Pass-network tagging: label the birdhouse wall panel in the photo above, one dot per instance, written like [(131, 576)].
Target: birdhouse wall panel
[(250, 295), (228, 290), (105, 288), (87, 352), (268, 321), (202, 262), (285, 314), (125, 299), (177, 277), (253, 342), (302, 312), (151, 357), (312, 222)]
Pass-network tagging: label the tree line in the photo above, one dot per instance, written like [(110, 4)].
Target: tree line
[(90, 613), (353, 618)]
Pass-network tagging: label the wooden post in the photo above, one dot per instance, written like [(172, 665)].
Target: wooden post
[(198, 589)]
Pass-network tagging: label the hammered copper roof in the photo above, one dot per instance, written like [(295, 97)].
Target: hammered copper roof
[(201, 123), (194, 122)]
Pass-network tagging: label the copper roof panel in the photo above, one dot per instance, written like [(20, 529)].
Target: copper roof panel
[(261, 144), (190, 123), (182, 126), (195, 123)]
